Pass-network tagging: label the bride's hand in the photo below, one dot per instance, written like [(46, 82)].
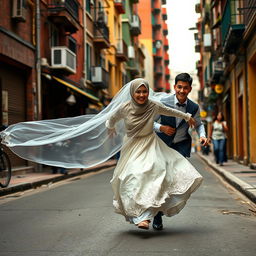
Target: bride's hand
[(111, 132), (191, 122)]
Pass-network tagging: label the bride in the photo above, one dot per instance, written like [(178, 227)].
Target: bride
[(149, 176)]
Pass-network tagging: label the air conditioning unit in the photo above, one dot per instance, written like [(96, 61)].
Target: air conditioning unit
[(19, 10), (63, 58), (131, 52), (97, 74)]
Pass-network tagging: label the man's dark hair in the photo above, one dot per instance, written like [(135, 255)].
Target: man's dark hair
[(184, 77)]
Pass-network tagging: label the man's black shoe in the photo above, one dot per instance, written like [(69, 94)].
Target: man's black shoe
[(158, 223)]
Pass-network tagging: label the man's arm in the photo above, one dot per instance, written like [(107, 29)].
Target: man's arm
[(168, 130), (200, 129)]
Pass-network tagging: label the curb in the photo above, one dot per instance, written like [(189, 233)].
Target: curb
[(240, 185), (35, 184)]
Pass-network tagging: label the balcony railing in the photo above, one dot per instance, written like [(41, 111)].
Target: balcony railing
[(217, 70), (156, 23), (156, 7), (232, 28), (164, 14), (100, 77), (158, 70), (120, 6), (197, 46), (101, 35), (65, 13), (165, 29), (122, 50), (133, 67), (166, 44), (249, 11), (135, 25)]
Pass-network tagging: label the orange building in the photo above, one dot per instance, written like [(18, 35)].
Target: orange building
[(154, 37)]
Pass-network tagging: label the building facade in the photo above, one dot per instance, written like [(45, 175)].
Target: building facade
[(227, 70)]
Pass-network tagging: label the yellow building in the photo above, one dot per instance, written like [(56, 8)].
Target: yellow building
[(117, 53)]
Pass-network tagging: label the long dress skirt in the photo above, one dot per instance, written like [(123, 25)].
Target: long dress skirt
[(151, 177)]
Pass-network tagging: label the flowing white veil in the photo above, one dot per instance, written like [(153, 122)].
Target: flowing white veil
[(74, 142)]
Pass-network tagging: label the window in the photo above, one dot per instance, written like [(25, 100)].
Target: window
[(72, 44), (88, 61), (89, 4), (54, 36)]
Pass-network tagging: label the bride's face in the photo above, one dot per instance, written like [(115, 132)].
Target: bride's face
[(141, 95)]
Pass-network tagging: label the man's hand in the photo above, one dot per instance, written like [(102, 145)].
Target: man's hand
[(168, 130), (204, 141), (191, 122)]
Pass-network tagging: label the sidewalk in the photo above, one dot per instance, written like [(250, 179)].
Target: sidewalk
[(29, 180), (239, 176)]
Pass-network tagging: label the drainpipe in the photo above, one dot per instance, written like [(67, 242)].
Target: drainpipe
[(85, 39), (38, 62), (38, 70)]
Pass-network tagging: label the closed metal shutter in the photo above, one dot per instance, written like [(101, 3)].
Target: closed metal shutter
[(13, 81)]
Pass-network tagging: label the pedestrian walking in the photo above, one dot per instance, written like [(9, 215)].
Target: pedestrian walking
[(149, 177), (174, 131), (218, 132)]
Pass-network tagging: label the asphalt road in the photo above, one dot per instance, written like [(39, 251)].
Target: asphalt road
[(76, 218)]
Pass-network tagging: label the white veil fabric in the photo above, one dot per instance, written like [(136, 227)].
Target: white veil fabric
[(73, 142)]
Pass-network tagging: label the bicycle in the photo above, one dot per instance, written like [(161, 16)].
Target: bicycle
[(5, 168)]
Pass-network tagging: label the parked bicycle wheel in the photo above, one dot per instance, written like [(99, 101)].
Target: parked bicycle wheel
[(5, 169)]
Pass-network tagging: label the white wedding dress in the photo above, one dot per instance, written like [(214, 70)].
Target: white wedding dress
[(150, 176)]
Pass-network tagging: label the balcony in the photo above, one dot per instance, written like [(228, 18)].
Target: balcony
[(166, 58), (101, 35), (166, 44), (133, 67), (120, 6), (135, 25), (158, 70), (198, 6), (64, 13), (167, 73), (100, 77), (197, 46), (63, 59), (122, 50), (165, 29), (156, 7), (249, 12), (232, 29), (156, 23), (217, 70), (158, 50), (164, 14), (199, 65)]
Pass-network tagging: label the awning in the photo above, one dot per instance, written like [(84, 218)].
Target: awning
[(73, 87)]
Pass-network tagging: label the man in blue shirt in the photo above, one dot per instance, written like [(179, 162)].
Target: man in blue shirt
[(174, 131)]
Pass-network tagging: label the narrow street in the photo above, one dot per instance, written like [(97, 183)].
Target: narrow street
[(76, 218)]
